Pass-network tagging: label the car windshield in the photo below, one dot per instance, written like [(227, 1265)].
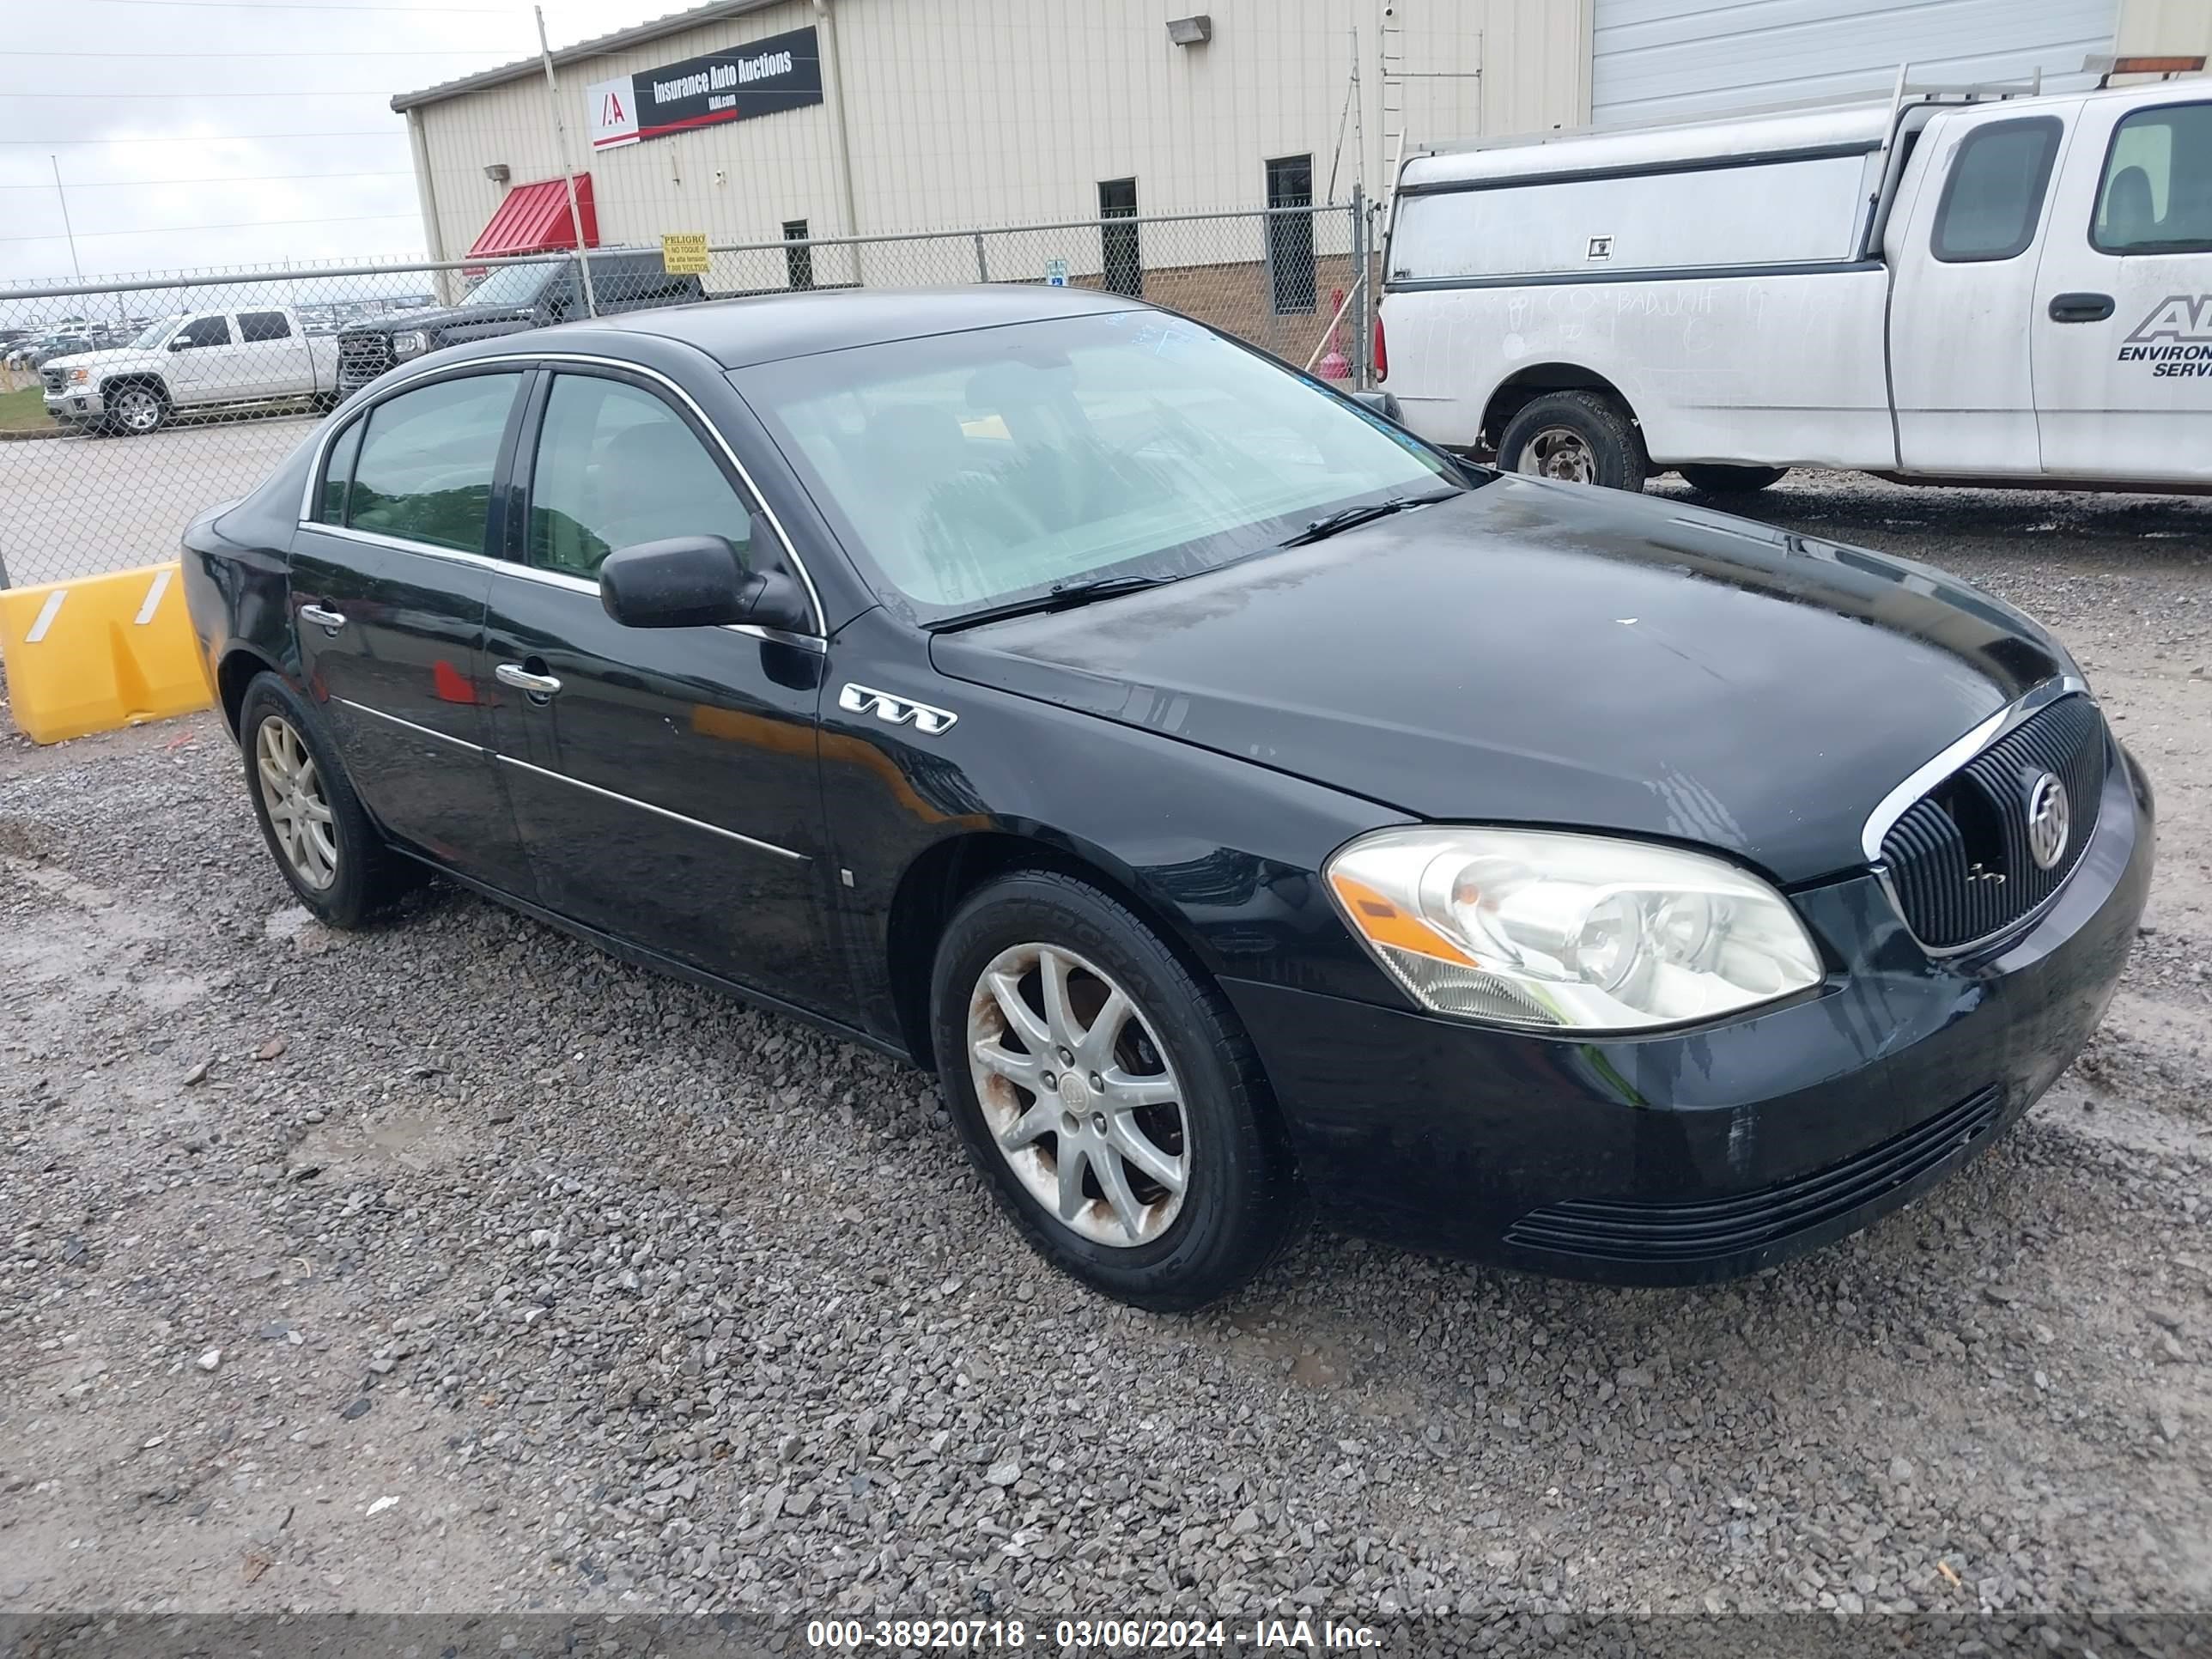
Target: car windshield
[(154, 333), (977, 468), (511, 285)]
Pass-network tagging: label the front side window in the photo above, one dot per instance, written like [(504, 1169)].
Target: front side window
[(426, 463), (513, 285), (1994, 197), (973, 469), (616, 466), (2156, 193), (206, 331), (255, 327), (338, 474)]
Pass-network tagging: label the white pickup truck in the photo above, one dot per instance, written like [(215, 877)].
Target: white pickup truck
[(195, 361), (1949, 288)]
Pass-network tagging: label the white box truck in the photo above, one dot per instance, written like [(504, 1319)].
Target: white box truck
[(1947, 288)]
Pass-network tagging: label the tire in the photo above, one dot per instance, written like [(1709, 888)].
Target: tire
[(1584, 437), (362, 873), (1712, 479), (1210, 1115), (135, 410)]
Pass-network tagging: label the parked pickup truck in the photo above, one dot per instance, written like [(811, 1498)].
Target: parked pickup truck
[(1950, 287), (198, 361), (509, 300)]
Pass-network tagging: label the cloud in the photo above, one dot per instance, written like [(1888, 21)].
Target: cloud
[(201, 136)]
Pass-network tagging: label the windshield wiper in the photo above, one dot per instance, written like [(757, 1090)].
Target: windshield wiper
[(1322, 528), (1060, 596)]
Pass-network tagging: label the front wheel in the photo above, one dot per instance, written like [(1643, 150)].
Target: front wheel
[(137, 409), (1714, 479), (1578, 437), (1108, 1095)]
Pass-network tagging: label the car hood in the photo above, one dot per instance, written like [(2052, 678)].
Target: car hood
[(97, 359), (1542, 653), (439, 317)]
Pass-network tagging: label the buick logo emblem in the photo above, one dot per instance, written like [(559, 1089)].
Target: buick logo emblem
[(2049, 820)]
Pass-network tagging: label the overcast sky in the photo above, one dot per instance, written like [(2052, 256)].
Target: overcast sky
[(198, 133)]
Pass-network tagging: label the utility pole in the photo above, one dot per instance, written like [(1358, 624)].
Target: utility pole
[(66, 230), (568, 168)]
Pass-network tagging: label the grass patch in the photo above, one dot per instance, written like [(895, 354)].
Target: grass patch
[(25, 410)]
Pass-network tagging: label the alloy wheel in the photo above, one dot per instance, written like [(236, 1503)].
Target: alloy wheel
[(138, 409), (1079, 1095), (299, 811), (1559, 451)]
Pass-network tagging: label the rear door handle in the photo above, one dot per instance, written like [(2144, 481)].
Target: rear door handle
[(2080, 307), (329, 621), (537, 685)]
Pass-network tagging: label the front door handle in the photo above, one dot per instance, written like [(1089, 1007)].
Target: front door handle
[(2080, 307), (329, 621), (537, 685)]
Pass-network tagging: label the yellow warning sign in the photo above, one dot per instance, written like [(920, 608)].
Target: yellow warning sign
[(685, 254)]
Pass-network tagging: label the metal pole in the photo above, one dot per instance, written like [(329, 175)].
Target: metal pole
[(568, 168), (66, 230), (982, 264), (1362, 331)]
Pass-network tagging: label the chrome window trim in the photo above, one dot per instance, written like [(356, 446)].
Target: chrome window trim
[(658, 811), (1947, 760), (422, 731), (1894, 804), (527, 359)]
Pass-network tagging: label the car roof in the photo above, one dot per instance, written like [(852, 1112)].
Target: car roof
[(737, 333)]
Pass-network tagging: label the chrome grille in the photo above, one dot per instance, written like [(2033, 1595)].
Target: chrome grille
[(362, 356), (1958, 860), (57, 380)]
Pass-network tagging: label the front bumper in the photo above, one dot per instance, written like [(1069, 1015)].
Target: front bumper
[(1691, 1157), (79, 407)]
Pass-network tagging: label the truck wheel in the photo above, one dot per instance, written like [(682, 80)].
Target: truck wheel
[(138, 410), (1716, 480), (1581, 437)]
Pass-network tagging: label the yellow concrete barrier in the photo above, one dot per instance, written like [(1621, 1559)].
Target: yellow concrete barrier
[(100, 653)]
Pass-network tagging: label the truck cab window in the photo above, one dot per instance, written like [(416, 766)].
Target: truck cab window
[(206, 331), (2156, 193), (1994, 197), (255, 327)]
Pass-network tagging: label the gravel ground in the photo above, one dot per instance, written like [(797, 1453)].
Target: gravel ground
[(454, 1266)]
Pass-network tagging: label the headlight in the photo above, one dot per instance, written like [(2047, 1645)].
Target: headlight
[(78, 376), (1537, 928), (412, 343)]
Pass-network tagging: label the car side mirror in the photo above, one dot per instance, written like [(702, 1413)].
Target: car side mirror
[(1379, 403), (181, 343), (696, 581)]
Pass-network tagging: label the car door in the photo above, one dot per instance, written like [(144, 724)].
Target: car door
[(2121, 334), (272, 356), (202, 358), (664, 779), (388, 578), (1966, 258)]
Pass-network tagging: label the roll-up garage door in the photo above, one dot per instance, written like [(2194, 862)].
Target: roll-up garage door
[(1659, 60)]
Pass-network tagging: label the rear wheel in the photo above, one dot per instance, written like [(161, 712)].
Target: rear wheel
[(1108, 1095), (1578, 437), (322, 840), (1713, 479)]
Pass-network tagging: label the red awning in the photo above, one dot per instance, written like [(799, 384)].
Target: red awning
[(534, 219)]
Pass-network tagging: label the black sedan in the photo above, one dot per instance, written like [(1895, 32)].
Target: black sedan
[(1241, 805)]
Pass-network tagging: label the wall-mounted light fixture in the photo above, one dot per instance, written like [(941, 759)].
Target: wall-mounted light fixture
[(497, 172), (1191, 31)]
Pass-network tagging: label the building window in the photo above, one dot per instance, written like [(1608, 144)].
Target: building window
[(797, 262), (1290, 236), (1120, 257)]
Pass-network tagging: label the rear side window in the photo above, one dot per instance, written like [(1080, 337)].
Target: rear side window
[(1994, 197), (425, 462), (2156, 193), (338, 473), (254, 326)]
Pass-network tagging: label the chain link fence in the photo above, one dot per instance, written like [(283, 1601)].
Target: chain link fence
[(126, 408)]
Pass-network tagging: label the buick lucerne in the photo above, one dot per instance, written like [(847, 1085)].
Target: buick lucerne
[(1243, 807)]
